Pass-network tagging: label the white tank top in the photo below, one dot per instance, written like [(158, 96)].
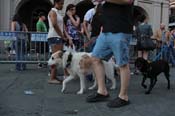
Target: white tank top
[(52, 32)]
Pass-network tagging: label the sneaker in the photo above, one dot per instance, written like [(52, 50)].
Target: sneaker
[(96, 97), (117, 103)]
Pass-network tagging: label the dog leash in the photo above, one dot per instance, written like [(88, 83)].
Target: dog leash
[(88, 43), (160, 53)]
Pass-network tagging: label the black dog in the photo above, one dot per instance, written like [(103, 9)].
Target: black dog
[(152, 70)]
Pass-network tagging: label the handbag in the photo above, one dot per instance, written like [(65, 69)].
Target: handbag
[(146, 43)]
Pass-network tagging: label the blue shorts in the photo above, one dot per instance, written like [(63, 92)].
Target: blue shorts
[(55, 40), (116, 44)]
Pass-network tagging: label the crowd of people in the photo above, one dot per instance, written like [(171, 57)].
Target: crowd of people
[(164, 41), (109, 28), (116, 31)]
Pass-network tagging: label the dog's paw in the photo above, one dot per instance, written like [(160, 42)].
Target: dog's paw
[(147, 92), (144, 86), (168, 87), (80, 92), (63, 90), (91, 88)]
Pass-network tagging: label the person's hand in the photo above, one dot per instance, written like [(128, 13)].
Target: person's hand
[(70, 42), (65, 39), (69, 13), (88, 36)]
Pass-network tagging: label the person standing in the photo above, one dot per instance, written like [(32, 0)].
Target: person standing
[(89, 16), (114, 40), (55, 35), (92, 23), (87, 21), (143, 30), (40, 27), (72, 26), (19, 28), (163, 37), (171, 52)]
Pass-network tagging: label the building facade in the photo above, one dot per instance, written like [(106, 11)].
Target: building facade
[(172, 14), (172, 4), (156, 10)]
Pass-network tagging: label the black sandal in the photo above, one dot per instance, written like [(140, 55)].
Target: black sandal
[(118, 102)]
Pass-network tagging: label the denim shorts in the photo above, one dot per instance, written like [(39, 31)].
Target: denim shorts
[(55, 40), (116, 44)]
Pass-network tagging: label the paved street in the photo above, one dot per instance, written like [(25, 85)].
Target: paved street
[(47, 100)]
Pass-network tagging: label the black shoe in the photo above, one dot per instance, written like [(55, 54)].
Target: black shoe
[(96, 97), (39, 65), (118, 102)]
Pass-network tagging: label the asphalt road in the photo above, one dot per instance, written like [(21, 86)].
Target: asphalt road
[(47, 100)]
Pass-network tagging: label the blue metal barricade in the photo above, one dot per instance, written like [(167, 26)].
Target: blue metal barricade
[(32, 47), (23, 47)]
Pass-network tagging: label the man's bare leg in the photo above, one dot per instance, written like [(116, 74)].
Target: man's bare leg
[(99, 75), (122, 98), (125, 78)]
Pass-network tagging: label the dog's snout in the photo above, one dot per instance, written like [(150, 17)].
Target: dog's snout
[(52, 58)]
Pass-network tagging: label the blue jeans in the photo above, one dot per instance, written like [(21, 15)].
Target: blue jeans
[(116, 44), (162, 53), (20, 54), (165, 53), (171, 55)]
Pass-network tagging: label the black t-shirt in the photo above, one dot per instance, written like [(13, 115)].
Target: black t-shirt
[(117, 18)]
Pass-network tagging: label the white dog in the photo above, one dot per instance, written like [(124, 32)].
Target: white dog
[(75, 63)]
